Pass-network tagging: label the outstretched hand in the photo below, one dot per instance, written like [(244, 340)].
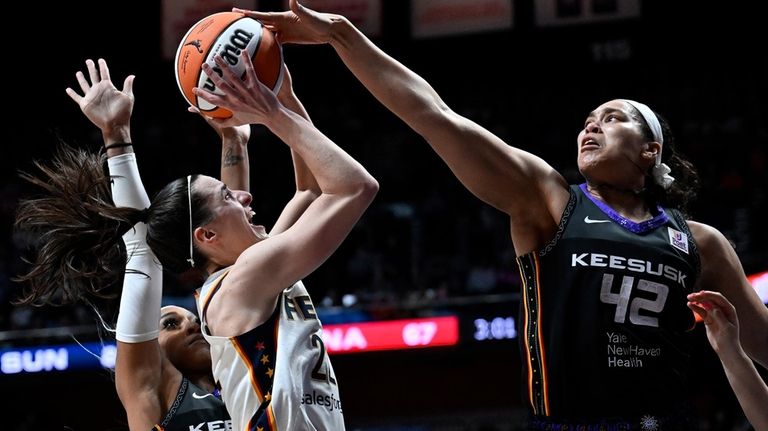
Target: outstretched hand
[(300, 25), (106, 106), (720, 318)]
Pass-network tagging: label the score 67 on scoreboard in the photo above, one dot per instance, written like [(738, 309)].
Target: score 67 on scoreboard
[(404, 334)]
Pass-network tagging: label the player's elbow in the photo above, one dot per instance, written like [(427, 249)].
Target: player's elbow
[(367, 189)]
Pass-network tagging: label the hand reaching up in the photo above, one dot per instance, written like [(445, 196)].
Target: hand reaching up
[(107, 107), (299, 25)]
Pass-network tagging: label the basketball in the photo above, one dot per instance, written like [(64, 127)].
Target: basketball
[(227, 34)]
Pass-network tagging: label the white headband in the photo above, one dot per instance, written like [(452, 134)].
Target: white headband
[(191, 259), (660, 170)]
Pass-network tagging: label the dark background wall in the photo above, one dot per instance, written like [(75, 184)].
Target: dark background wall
[(702, 65)]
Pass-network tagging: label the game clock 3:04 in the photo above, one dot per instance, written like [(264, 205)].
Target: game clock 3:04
[(494, 328)]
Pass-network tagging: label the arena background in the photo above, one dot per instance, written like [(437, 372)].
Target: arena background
[(426, 247)]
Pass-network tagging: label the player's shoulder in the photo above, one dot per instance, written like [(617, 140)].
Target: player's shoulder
[(707, 237)]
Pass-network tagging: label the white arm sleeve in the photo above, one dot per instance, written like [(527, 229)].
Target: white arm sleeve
[(141, 296)]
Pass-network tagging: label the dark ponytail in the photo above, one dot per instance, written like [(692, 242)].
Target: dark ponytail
[(686, 185), (169, 230), (76, 230)]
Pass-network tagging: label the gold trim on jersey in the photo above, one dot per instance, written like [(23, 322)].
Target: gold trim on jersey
[(534, 355)]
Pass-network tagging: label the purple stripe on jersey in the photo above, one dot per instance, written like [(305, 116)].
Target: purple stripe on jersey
[(640, 228)]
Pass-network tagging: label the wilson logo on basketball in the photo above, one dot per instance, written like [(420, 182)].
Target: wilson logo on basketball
[(226, 34), (230, 52)]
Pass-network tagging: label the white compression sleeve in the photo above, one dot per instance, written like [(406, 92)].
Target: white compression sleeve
[(141, 296)]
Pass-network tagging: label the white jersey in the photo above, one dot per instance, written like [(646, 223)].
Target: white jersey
[(276, 376)]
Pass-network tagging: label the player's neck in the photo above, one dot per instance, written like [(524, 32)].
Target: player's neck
[(204, 381), (629, 203)]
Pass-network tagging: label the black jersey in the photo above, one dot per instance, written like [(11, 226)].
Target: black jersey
[(195, 409), (604, 317)]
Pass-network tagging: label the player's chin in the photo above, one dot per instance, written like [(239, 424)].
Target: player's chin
[(201, 348)]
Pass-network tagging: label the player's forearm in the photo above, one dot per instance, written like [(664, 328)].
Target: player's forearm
[(749, 388), (398, 88), (114, 136), (336, 171), (304, 178), (234, 164), (142, 286)]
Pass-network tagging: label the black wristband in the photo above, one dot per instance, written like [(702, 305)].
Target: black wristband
[(117, 145)]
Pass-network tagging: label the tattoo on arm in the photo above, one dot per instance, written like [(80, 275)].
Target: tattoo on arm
[(230, 159)]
